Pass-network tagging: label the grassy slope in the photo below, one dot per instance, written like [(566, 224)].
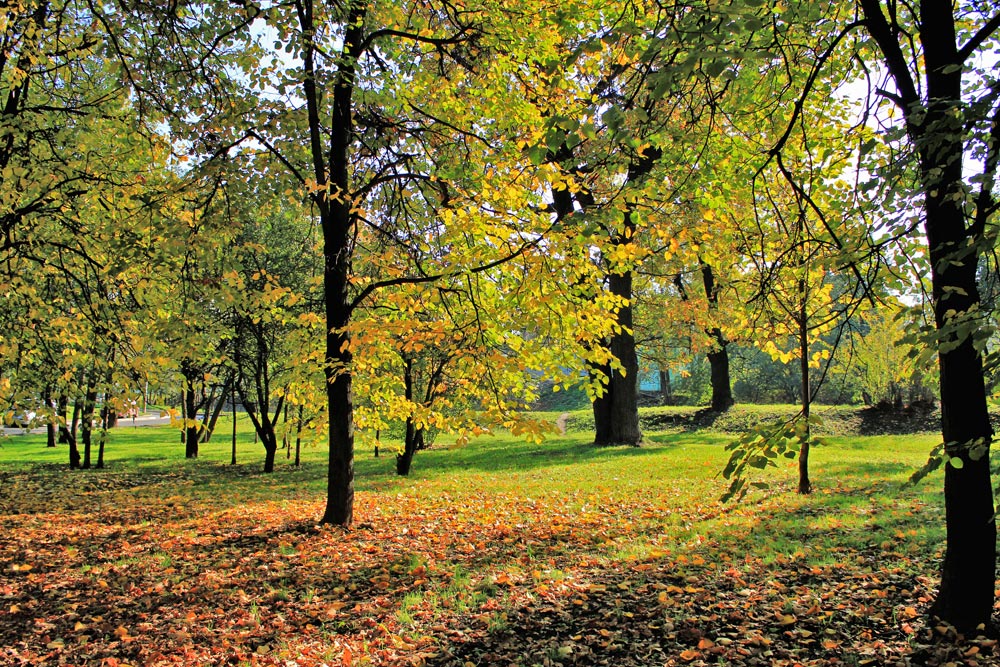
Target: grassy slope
[(499, 552)]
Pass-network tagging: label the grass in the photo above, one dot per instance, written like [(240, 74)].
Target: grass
[(460, 556)]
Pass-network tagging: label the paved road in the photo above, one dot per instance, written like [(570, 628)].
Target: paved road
[(147, 419)]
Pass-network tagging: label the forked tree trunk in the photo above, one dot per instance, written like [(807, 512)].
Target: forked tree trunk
[(216, 411), (412, 442)]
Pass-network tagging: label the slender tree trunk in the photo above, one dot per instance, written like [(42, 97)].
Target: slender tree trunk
[(413, 441), (74, 451), (50, 424), (805, 486), (405, 458), (233, 397), (191, 425), (285, 441), (89, 401), (216, 410), (106, 415), (298, 439)]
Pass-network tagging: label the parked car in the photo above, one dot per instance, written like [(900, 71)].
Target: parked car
[(24, 418)]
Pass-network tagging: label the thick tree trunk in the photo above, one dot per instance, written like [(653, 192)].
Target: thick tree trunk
[(270, 441), (968, 574), (616, 413), (718, 361)]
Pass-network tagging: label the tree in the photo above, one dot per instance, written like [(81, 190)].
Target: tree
[(933, 58)]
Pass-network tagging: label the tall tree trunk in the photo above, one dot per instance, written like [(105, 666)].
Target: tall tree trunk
[(935, 129), (805, 486), (337, 222), (233, 396), (298, 438), (968, 574)]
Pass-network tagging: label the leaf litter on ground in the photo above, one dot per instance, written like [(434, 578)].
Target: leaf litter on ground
[(143, 571)]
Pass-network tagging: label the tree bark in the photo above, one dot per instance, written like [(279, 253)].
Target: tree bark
[(62, 404), (337, 221), (405, 459), (805, 486), (216, 411), (935, 129), (718, 359), (74, 450), (50, 424), (233, 396), (616, 413), (666, 392), (87, 426), (192, 428)]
